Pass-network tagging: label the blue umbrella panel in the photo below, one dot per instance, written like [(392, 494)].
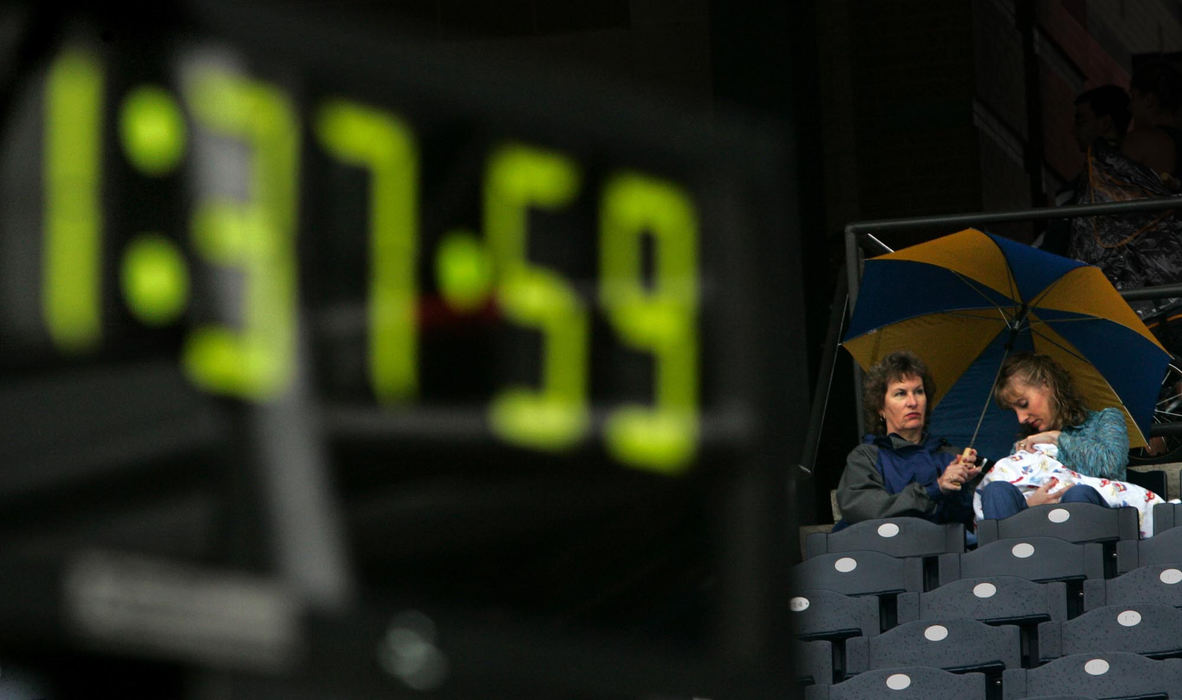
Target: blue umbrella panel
[(963, 302)]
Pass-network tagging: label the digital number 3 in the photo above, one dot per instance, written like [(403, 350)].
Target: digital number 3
[(257, 235)]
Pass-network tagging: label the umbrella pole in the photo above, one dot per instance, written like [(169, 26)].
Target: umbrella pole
[(981, 418), (1015, 326)]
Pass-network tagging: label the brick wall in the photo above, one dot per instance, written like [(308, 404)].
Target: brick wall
[(1125, 27), (926, 108)]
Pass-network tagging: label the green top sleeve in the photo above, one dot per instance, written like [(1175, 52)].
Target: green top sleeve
[(1097, 447)]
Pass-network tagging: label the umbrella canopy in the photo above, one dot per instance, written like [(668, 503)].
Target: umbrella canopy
[(964, 301)]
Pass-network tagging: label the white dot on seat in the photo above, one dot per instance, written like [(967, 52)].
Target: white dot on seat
[(1170, 576), (798, 604), (1129, 618), (845, 564), (984, 590), (1023, 550), (1059, 515), (898, 681), (1096, 667), (888, 530), (936, 633)]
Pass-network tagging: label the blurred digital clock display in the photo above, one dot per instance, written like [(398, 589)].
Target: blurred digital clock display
[(426, 248)]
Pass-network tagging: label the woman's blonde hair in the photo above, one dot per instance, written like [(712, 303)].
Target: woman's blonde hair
[(1036, 370)]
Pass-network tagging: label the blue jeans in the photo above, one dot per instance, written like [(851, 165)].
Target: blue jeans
[(1000, 499)]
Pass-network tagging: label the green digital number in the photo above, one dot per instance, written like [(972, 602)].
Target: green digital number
[(555, 415), (659, 317), (386, 147), (72, 254), (255, 362)]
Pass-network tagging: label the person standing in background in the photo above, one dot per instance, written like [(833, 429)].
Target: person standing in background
[(1155, 92)]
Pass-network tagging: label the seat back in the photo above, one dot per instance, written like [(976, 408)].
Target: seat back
[(859, 573), (1154, 480), (1033, 558), (908, 683), (953, 644), (899, 537), (990, 599), (1074, 522), (1153, 583), (1142, 628), (814, 662), (823, 614), (1163, 548), (1102, 675), (1166, 516)]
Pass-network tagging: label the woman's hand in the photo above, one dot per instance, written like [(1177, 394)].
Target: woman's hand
[(961, 471), (1048, 437), (1042, 495)]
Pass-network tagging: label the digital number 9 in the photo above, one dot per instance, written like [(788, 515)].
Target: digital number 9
[(660, 318)]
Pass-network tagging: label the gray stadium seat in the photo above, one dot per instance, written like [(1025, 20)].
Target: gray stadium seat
[(1166, 516), (1165, 547), (990, 599), (953, 644), (822, 614), (1152, 583), (859, 573), (1074, 522), (906, 683), (899, 537), (814, 662), (1031, 558), (1153, 479), (1103, 675), (1144, 628), (1038, 559)]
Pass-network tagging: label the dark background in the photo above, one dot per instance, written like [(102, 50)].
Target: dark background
[(895, 109)]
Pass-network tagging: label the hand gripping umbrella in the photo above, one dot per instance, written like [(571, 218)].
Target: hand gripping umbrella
[(963, 302)]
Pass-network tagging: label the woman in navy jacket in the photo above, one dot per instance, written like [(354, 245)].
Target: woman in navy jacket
[(899, 469)]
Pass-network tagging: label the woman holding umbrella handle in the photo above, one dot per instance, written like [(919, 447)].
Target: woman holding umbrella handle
[(899, 470), (1092, 443)]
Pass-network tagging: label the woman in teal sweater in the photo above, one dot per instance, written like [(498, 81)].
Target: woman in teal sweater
[(1093, 443)]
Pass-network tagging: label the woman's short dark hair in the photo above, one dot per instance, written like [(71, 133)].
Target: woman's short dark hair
[(1036, 370), (1109, 101), (892, 368)]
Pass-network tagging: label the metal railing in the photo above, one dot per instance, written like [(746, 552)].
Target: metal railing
[(860, 238)]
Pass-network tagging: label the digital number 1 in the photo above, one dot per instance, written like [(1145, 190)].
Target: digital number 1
[(72, 257)]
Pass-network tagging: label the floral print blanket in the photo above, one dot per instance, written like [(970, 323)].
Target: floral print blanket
[(1030, 469)]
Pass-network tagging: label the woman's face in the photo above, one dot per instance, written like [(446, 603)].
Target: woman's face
[(1034, 404), (904, 407)]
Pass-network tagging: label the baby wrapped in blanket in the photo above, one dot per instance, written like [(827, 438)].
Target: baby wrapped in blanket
[(1030, 469)]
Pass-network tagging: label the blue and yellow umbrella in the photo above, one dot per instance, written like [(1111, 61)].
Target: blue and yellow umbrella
[(964, 301)]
